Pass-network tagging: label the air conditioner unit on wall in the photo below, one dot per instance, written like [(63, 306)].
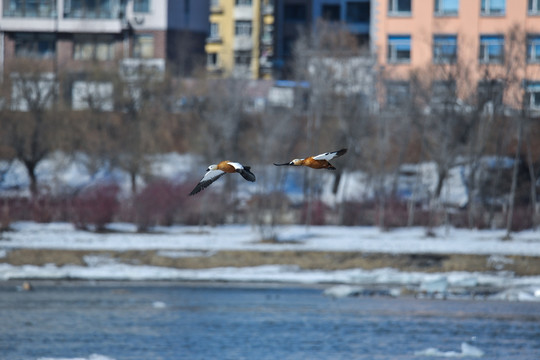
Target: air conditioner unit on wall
[(139, 19)]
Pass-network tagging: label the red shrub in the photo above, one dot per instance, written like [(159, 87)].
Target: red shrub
[(158, 203), (96, 205), (318, 213), (358, 213)]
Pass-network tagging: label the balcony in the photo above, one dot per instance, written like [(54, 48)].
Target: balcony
[(266, 66), (214, 39), (267, 39), (216, 9), (215, 69), (243, 42), (132, 68), (268, 9), (243, 12), (241, 71), (113, 26)]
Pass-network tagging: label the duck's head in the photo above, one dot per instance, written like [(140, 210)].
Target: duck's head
[(296, 162), (212, 167)]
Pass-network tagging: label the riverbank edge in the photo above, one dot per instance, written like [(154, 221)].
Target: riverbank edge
[(519, 265)]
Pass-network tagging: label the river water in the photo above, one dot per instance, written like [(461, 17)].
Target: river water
[(132, 320)]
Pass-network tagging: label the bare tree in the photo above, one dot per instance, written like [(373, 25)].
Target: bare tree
[(141, 117), (515, 62), (339, 73), (32, 123)]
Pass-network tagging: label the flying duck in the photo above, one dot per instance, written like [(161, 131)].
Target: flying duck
[(320, 161), (214, 172)]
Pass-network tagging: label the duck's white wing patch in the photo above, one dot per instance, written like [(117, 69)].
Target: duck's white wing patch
[(212, 175), (325, 156), (208, 179), (330, 155), (235, 165)]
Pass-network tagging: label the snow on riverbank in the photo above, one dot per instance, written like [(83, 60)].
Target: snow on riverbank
[(298, 238), (185, 241)]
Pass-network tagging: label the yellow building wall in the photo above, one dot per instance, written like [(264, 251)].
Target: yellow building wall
[(226, 22)]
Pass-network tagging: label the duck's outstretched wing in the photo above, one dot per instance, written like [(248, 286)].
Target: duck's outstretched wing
[(330, 155), (287, 163), (246, 173), (208, 179)]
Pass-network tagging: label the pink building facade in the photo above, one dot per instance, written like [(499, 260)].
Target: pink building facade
[(492, 37)]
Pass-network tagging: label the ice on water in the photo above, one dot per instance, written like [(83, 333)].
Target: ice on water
[(91, 357), (467, 350)]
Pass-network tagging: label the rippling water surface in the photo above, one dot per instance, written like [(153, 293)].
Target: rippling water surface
[(179, 321)]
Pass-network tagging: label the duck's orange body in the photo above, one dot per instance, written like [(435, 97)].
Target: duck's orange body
[(316, 164), (225, 166)]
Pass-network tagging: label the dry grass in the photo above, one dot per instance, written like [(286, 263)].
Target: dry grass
[(520, 265)]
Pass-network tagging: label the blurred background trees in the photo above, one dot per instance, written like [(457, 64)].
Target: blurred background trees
[(112, 121)]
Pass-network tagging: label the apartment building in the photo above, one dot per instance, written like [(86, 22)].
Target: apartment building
[(241, 39), (70, 35), (293, 15), (480, 34), (355, 15)]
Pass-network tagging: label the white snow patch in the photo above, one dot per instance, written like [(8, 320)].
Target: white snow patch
[(176, 254), (297, 238)]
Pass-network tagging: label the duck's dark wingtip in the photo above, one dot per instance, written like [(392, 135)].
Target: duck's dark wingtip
[(247, 174), (281, 164)]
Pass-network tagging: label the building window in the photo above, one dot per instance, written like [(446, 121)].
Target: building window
[(357, 12), (444, 49), (242, 2), (242, 58), (443, 94), (493, 7), (534, 6), (93, 47), (214, 31), (490, 92), (141, 6), (29, 8), (533, 48), (89, 9), (532, 95), (331, 12), (399, 48), (242, 28), (212, 60), (92, 95), (397, 93), (143, 46), (446, 7), (28, 92), (35, 45), (267, 36), (399, 7), (294, 12), (492, 49)]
